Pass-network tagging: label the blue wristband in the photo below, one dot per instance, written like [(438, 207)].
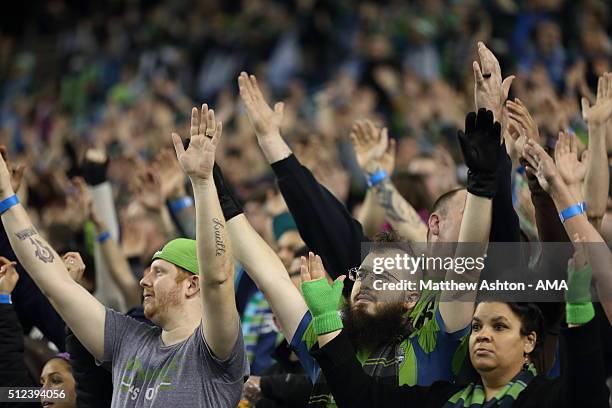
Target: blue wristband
[(572, 211), (583, 206), (376, 177), (5, 299), (103, 237), (181, 203), (8, 203)]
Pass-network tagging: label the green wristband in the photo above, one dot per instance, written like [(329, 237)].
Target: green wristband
[(327, 323), (578, 285), (579, 313)]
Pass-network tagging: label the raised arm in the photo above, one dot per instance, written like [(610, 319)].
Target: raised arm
[(323, 222), (79, 309), (113, 257), (483, 154), (261, 262), (220, 321), (490, 92), (596, 182), (600, 257), (376, 156)]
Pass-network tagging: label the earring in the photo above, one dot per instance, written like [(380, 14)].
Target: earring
[(526, 362)]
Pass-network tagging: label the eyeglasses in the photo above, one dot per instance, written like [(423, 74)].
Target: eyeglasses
[(356, 274)]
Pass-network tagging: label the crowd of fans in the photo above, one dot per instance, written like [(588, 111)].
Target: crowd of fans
[(342, 133)]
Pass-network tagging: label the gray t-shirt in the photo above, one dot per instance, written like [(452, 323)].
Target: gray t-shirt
[(148, 374)]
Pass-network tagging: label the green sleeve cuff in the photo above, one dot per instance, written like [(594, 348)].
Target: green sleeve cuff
[(327, 323), (579, 313), (579, 285)]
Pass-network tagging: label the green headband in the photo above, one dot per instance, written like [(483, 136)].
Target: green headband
[(181, 252)]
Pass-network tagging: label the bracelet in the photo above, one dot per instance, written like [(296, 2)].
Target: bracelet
[(376, 177), (572, 211), (103, 237), (5, 299), (181, 203), (6, 204), (583, 206)]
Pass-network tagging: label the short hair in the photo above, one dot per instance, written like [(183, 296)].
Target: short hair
[(441, 204), (389, 239), (181, 274)]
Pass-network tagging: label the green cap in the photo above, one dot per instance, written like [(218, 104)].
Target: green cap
[(181, 252)]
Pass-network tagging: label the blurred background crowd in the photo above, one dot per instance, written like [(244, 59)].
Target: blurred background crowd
[(111, 80)]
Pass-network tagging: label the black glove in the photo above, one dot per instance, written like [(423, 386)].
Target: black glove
[(94, 172), (230, 206), (482, 152)]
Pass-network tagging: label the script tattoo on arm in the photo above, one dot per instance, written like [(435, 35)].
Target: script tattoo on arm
[(395, 206), (219, 244), (41, 251)]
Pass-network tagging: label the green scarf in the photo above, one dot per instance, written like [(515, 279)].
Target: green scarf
[(473, 396)]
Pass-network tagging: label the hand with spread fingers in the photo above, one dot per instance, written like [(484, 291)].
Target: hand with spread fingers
[(481, 151), (8, 276), (198, 159), (601, 111), (490, 92), (571, 168), (373, 148)]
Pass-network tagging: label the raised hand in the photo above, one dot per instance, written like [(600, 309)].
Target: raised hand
[(490, 92), (570, 167), (373, 148), (516, 140), (170, 174), (265, 121), (149, 191), (10, 175), (198, 160), (481, 152), (8, 276), (601, 111), (75, 265), (541, 165), (322, 298), (84, 199), (518, 113)]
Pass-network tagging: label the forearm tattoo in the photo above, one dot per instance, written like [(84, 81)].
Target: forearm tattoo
[(219, 244), (395, 209), (41, 251)]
